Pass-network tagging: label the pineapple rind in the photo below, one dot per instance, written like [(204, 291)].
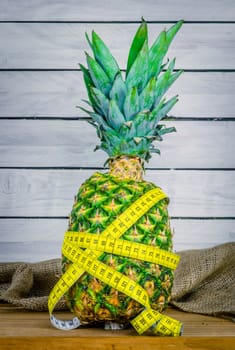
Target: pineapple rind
[(126, 115), (99, 201)]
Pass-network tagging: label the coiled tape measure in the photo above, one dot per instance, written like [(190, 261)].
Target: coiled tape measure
[(108, 241)]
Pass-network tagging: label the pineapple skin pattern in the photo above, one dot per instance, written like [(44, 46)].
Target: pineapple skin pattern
[(99, 201), (126, 115)]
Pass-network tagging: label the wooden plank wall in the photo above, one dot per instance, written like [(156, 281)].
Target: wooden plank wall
[(46, 145)]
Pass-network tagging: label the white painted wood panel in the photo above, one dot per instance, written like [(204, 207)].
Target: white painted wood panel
[(56, 94), (30, 86), (188, 231), (68, 143), (122, 10), (41, 239), (29, 251), (50, 192), (62, 46)]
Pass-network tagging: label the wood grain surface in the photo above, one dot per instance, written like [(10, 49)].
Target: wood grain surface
[(17, 322), (62, 45), (56, 94), (31, 192), (26, 330), (114, 343), (196, 144), (123, 10), (35, 239)]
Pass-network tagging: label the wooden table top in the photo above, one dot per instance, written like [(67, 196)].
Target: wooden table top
[(32, 330)]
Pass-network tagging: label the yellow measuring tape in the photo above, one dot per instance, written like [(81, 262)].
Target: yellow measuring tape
[(108, 241), (119, 247)]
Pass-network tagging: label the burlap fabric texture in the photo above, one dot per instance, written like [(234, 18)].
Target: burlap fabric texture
[(204, 282)]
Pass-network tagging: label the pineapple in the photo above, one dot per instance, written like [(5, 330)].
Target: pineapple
[(126, 114)]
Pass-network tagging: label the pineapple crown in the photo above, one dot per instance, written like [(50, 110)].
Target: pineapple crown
[(126, 113)]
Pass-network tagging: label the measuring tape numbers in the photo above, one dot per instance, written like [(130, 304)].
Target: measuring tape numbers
[(121, 247), (108, 241), (159, 324), (118, 227)]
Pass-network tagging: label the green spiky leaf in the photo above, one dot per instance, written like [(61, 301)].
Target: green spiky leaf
[(104, 57), (141, 125), (147, 97), (161, 86), (163, 108), (115, 116), (138, 73), (131, 103), (97, 118), (89, 41), (174, 76), (138, 140), (170, 34), (118, 91), (101, 100), (139, 39), (156, 55), (88, 82), (159, 48), (165, 81), (165, 130), (155, 150), (98, 76), (126, 114)]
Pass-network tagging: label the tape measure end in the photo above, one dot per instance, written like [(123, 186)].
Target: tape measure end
[(181, 330), (65, 325)]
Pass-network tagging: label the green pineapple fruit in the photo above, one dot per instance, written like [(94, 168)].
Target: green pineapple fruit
[(126, 114)]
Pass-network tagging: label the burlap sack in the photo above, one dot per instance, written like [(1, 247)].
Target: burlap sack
[(28, 284), (204, 282)]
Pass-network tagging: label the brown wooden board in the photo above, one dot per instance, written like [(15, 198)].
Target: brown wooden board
[(26, 330)]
